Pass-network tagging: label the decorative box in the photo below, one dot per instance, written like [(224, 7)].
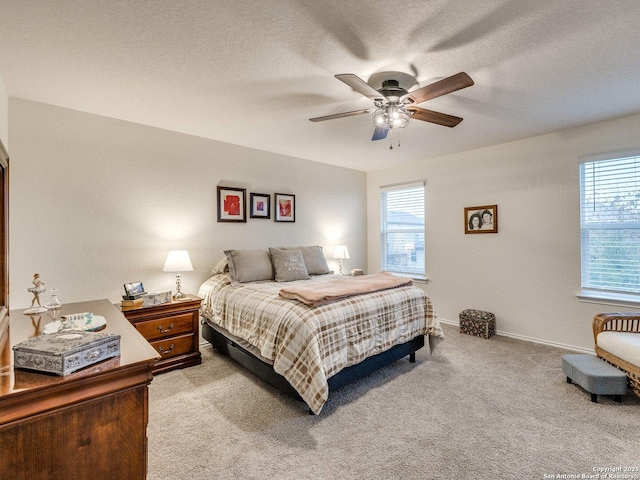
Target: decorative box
[(151, 299), (65, 352), (477, 323)]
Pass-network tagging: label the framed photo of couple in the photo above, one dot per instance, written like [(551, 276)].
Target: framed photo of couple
[(483, 219)]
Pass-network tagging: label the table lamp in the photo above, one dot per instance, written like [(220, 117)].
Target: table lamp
[(178, 261), (341, 252)]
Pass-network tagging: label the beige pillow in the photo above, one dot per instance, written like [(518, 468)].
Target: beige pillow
[(249, 265), (314, 259), (288, 265), (221, 267)]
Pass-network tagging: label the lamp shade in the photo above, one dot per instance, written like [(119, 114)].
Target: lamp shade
[(341, 252), (178, 261)]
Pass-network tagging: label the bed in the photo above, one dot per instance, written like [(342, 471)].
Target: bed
[(304, 346)]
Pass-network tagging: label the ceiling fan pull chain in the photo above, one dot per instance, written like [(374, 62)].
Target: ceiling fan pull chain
[(392, 134)]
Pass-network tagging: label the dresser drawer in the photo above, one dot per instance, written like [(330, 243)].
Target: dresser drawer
[(172, 347), (166, 326)]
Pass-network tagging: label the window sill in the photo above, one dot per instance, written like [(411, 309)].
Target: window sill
[(616, 300), (415, 278)]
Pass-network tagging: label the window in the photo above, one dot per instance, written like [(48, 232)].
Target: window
[(402, 230), (610, 228)]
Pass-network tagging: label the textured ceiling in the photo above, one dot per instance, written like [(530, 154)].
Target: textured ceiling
[(252, 72)]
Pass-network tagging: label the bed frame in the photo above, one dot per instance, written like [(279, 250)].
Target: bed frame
[(348, 375)]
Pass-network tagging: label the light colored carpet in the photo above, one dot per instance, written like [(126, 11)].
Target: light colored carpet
[(477, 409)]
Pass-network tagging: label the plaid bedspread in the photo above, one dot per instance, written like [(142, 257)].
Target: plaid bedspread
[(308, 345)]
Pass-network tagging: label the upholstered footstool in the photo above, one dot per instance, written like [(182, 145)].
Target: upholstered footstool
[(477, 323), (594, 375)]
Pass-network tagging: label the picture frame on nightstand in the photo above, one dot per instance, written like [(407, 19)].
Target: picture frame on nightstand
[(134, 289)]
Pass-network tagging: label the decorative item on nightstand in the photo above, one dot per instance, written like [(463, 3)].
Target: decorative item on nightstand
[(341, 253), (151, 299), (178, 261)]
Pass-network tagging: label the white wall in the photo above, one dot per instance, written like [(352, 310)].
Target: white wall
[(97, 202), (529, 272)]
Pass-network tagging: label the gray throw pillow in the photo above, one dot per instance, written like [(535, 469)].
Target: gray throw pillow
[(288, 265), (249, 265), (314, 259)]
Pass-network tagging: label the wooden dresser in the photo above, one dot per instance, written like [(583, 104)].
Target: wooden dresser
[(90, 424), (172, 329)]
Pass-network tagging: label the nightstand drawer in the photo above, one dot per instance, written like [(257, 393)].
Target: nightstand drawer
[(166, 326), (174, 346)]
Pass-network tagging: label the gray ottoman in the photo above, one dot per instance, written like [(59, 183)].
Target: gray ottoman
[(594, 375)]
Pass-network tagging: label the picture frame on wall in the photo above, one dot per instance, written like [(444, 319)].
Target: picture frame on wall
[(285, 207), (482, 219), (232, 204), (260, 205)]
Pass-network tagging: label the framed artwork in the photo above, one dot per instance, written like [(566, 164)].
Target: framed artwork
[(482, 219), (232, 206), (285, 207), (260, 205)]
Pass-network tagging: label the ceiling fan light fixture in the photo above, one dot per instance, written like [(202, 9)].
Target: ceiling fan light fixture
[(391, 116), (401, 121), (380, 117)]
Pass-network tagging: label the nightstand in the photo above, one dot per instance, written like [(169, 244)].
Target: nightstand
[(172, 329)]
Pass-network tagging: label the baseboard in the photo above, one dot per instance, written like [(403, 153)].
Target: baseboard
[(528, 339)]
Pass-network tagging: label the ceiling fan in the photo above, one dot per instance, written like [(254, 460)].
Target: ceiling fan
[(394, 105)]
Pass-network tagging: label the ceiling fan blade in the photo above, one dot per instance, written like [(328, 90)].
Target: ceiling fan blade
[(434, 117), (360, 86), (380, 133), (446, 85), (341, 115)]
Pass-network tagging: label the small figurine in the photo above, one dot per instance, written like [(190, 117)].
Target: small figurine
[(37, 289)]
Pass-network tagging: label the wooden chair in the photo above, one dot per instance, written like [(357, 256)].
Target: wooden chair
[(618, 322)]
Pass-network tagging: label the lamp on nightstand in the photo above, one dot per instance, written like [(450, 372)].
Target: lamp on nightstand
[(341, 252), (178, 261)]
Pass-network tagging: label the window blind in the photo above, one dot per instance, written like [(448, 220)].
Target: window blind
[(402, 230), (610, 225)]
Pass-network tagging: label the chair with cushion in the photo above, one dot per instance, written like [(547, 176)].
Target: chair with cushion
[(617, 340)]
